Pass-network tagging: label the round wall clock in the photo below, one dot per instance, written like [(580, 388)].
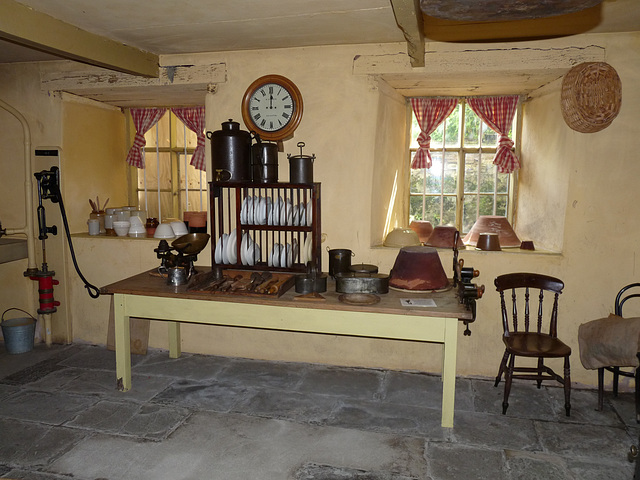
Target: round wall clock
[(272, 107)]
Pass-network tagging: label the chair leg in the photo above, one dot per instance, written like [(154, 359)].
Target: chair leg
[(503, 365), (601, 388), (616, 376), (508, 378), (567, 386), (540, 367)]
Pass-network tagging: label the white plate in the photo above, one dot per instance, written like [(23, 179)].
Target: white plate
[(283, 255), (303, 252), (256, 253), (275, 255), (261, 213), (309, 214), (303, 215), (295, 250), (232, 254), (243, 211), (249, 210), (218, 252), (223, 248), (307, 249), (243, 245)]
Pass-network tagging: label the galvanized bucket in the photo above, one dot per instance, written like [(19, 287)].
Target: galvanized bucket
[(18, 332)]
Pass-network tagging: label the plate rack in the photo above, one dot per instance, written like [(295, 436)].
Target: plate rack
[(265, 226)]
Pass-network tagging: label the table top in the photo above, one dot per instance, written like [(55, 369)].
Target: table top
[(447, 301)]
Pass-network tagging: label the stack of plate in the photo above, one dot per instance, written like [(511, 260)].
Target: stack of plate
[(265, 211)]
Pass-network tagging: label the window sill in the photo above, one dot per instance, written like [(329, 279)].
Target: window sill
[(110, 237), (507, 250)]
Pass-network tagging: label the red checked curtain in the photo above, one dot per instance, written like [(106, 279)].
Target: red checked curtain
[(430, 113), (143, 120), (498, 113), (193, 118)]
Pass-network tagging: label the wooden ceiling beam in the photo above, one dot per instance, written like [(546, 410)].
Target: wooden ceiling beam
[(409, 19), (23, 25)]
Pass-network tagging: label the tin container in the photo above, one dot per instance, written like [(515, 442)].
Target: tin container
[(350, 282)]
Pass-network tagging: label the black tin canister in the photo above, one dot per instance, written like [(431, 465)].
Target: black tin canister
[(264, 161), (230, 153), (301, 167)]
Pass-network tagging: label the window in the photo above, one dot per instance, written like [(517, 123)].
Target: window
[(462, 183), (163, 189)]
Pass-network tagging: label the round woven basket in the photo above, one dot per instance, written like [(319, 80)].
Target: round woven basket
[(591, 96)]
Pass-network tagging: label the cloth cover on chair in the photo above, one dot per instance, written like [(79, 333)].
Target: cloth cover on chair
[(609, 341)]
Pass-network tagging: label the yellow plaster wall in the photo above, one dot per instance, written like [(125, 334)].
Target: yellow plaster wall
[(94, 151)]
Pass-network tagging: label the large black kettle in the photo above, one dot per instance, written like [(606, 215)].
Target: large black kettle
[(230, 153)]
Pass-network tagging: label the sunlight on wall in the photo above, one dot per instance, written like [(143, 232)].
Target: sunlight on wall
[(392, 201)]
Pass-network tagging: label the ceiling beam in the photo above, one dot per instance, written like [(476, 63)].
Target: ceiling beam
[(23, 25), (409, 19)]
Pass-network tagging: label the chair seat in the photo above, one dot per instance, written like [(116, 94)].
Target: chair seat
[(535, 345)]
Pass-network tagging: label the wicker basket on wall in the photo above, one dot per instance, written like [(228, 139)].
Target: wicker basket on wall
[(591, 96)]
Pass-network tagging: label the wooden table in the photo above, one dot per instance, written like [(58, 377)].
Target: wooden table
[(149, 296)]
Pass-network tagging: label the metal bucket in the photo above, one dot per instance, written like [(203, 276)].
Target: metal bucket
[(18, 332)]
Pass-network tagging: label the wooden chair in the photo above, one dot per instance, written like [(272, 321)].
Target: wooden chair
[(523, 336), (624, 294)]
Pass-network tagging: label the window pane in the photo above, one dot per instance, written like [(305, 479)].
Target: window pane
[(449, 211), (415, 208), (471, 128), (502, 184), (489, 137), (164, 133), (434, 174), (417, 180), (486, 204), (487, 173), (452, 125), (437, 138), (469, 212), (471, 173), (181, 130), (501, 205), (451, 173), (151, 204), (431, 212), (152, 160)]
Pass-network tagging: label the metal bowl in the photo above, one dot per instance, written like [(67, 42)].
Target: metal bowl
[(191, 244)]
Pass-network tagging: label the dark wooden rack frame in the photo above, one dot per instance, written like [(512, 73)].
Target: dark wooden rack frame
[(226, 199)]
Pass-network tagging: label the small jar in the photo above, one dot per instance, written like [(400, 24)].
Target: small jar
[(100, 217), (151, 225)]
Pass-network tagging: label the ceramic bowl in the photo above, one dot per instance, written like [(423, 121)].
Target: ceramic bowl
[(164, 230), (136, 221), (401, 237), (121, 228), (137, 231), (179, 228)]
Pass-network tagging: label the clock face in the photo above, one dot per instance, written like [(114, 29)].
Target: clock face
[(272, 107)]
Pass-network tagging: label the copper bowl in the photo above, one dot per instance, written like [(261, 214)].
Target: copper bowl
[(191, 243), (489, 242)]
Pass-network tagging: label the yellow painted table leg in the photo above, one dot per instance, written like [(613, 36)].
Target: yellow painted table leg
[(175, 345), (450, 348), (122, 343)]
